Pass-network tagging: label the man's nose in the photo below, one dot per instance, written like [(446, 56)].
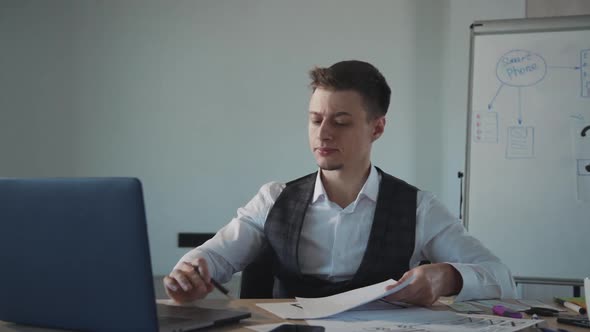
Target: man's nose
[(325, 131)]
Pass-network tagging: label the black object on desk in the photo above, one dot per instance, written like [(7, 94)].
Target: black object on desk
[(541, 311), (580, 321), (298, 328)]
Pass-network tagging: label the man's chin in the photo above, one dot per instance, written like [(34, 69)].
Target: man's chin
[(330, 167)]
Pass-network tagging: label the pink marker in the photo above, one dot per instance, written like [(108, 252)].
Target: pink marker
[(501, 310)]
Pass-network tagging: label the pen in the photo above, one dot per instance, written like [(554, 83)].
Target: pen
[(217, 285), (570, 305)]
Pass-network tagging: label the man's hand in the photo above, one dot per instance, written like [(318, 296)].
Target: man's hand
[(431, 282), (186, 285)]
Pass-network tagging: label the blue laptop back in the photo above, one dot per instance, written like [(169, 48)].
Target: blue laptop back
[(74, 254)]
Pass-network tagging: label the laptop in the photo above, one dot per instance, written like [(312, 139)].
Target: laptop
[(74, 254)]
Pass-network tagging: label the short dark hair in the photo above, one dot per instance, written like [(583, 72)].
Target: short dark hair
[(358, 76)]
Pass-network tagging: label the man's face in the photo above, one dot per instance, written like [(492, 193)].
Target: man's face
[(340, 136)]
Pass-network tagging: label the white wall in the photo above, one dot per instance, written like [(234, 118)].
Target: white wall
[(454, 85), (205, 101)]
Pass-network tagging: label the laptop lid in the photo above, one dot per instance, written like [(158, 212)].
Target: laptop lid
[(74, 254)]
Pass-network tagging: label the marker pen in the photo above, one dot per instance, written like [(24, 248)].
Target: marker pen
[(571, 306)]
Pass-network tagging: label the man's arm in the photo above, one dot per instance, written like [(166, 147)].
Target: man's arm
[(231, 249), (461, 266), (483, 274), (445, 240)]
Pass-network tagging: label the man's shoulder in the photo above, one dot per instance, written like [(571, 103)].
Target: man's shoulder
[(271, 189)]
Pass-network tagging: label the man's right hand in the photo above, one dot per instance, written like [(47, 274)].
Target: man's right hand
[(184, 284)]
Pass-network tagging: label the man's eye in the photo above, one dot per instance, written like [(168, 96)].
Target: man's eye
[(316, 122), (342, 124)]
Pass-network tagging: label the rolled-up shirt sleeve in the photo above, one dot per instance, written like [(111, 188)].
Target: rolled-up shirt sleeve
[(240, 241), (441, 238)]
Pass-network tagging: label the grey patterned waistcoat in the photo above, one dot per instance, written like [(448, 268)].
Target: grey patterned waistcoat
[(390, 245)]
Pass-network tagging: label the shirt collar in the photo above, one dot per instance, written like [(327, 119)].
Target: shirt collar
[(370, 189)]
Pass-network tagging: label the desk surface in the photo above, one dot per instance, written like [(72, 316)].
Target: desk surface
[(259, 316)]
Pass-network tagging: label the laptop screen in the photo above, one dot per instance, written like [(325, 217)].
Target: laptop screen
[(75, 254)]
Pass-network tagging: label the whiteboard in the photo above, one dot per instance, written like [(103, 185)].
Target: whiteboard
[(527, 186)]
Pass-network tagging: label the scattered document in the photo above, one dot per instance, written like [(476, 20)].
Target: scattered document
[(491, 303), (285, 310), (420, 319), (539, 304), (310, 308), (465, 307), (409, 315)]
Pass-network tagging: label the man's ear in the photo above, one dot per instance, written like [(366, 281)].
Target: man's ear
[(378, 128)]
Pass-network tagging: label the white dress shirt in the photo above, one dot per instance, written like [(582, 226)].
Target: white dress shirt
[(333, 240)]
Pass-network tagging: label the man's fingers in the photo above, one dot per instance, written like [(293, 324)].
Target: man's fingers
[(198, 268), (198, 278), (182, 280), (184, 284), (203, 269), (171, 284), (405, 293), (401, 280)]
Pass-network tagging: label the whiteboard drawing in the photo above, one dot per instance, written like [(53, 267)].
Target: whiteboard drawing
[(521, 142), (580, 133), (523, 68), (585, 73), (584, 167), (485, 127), (520, 68)]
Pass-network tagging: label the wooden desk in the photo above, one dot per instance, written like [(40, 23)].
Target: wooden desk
[(259, 316)]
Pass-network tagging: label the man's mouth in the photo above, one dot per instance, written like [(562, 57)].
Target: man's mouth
[(326, 151)]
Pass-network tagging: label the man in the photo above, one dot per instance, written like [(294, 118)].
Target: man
[(350, 224)]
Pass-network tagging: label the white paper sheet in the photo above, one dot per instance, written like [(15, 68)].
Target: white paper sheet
[(285, 310), (310, 308)]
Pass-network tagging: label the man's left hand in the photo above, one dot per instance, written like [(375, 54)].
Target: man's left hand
[(431, 281)]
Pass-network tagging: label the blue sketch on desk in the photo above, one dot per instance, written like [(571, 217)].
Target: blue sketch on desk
[(520, 68), (520, 143)]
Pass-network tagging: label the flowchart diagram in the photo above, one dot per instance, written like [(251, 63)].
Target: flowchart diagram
[(521, 69)]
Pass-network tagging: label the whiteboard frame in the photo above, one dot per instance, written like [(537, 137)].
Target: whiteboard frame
[(511, 26)]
